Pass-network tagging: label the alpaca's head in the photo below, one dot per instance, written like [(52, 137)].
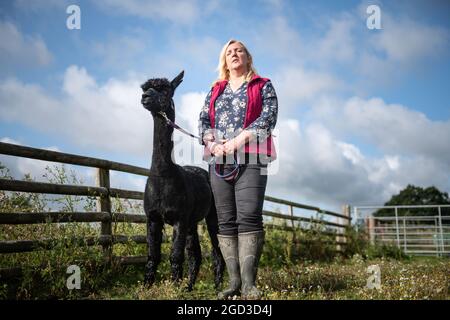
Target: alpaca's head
[(158, 94)]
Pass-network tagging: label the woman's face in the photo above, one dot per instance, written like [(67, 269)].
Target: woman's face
[(236, 57)]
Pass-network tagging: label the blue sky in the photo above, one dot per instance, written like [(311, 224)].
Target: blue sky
[(362, 112)]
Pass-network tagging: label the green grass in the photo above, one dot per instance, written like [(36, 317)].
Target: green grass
[(287, 271), (303, 272), (417, 278)]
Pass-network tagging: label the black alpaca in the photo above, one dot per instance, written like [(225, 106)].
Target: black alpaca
[(179, 196)]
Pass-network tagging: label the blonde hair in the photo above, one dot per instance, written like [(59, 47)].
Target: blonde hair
[(224, 73)]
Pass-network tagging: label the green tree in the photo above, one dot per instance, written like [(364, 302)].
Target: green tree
[(413, 195)]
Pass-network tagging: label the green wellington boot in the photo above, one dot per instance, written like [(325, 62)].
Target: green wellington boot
[(229, 248), (250, 249)]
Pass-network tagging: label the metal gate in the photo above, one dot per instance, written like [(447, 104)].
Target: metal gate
[(414, 234)]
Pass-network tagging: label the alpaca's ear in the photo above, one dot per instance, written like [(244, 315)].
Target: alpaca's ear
[(177, 80)]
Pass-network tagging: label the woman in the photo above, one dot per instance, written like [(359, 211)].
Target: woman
[(236, 122)]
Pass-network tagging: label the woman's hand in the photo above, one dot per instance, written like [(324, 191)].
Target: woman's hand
[(209, 137), (216, 149), (237, 142), (231, 146)]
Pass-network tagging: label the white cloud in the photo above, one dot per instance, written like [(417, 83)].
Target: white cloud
[(203, 51), (187, 150), (19, 167), (108, 116), (189, 108), (402, 46), (112, 54), (144, 55), (295, 85), (342, 40), (390, 128), (9, 140), (276, 37), (317, 167), (77, 80), (325, 167), (395, 128), (393, 162), (406, 41), (127, 181), (21, 50), (351, 152), (338, 43)]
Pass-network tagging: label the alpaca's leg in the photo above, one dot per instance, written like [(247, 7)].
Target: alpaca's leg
[(177, 253), (154, 239), (218, 261), (194, 255)]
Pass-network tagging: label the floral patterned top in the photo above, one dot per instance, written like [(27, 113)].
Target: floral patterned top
[(231, 109)]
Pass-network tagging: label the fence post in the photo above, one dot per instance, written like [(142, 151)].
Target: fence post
[(404, 235), (397, 228), (441, 233), (104, 205), (346, 212), (294, 238), (356, 216), (371, 229), (291, 213)]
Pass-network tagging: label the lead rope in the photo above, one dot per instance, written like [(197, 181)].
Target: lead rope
[(174, 125)]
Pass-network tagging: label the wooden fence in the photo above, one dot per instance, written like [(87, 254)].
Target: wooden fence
[(104, 214)]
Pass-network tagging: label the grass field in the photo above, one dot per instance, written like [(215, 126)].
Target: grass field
[(416, 278)]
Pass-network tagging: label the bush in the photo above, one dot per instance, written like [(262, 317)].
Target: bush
[(358, 244), (284, 247)]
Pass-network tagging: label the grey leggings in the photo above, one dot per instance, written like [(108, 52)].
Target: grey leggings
[(239, 202)]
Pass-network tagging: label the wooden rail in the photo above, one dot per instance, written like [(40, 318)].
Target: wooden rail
[(304, 206), (56, 156), (15, 246), (103, 191)]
